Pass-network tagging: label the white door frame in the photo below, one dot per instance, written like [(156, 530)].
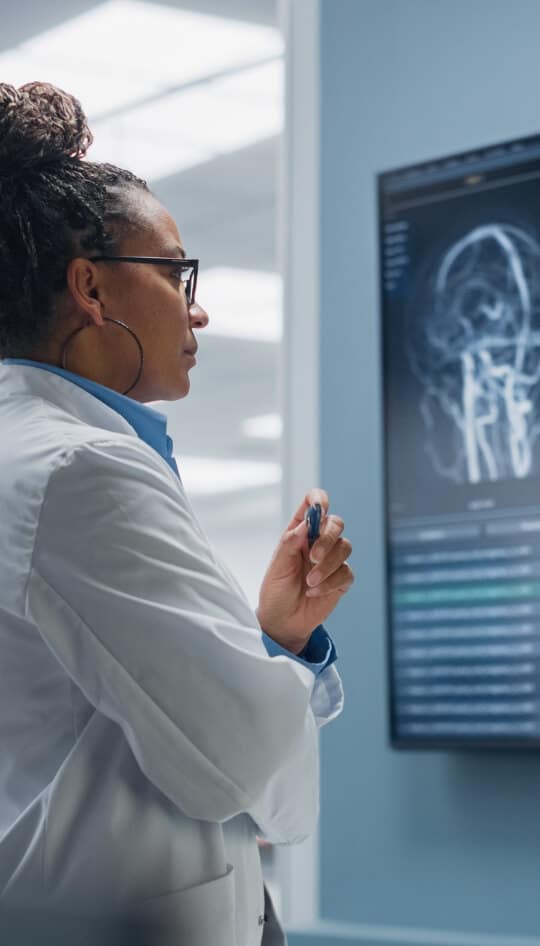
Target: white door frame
[(297, 866)]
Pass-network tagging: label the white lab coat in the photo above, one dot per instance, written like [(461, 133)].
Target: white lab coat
[(146, 736)]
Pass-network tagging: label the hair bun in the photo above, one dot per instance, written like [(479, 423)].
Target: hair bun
[(39, 124)]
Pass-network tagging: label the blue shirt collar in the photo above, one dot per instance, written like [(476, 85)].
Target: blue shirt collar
[(150, 425)]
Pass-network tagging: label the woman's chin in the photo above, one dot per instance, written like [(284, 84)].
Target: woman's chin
[(182, 387)]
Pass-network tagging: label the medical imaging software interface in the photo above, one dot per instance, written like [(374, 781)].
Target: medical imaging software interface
[(460, 290)]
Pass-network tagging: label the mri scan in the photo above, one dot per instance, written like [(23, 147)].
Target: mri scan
[(475, 349)]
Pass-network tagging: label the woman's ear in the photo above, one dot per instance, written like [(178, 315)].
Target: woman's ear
[(82, 278)]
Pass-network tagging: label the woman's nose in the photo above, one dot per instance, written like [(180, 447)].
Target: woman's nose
[(198, 316)]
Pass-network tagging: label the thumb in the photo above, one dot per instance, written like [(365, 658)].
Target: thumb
[(288, 554)]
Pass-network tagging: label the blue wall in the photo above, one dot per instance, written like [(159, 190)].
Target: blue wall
[(441, 841)]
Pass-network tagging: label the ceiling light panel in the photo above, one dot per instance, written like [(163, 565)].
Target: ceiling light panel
[(96, 91), (241, 303), (122, 142), (123, 50), (209, 476), (263, 427), (186, 128)]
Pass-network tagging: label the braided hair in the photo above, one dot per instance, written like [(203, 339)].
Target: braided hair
[(53, 207)]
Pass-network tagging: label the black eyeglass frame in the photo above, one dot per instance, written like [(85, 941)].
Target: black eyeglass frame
[(178, 261)]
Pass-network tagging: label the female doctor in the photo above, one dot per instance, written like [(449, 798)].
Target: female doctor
[(151, 724)]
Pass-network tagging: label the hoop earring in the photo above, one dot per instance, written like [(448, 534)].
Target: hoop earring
[(117, 322)]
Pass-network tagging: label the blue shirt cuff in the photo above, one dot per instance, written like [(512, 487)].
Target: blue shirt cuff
[(317, 655)]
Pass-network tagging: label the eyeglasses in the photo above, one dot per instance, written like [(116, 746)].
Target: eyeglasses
[(188, 268)]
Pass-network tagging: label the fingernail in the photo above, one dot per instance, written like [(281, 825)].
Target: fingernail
[(312, 592)]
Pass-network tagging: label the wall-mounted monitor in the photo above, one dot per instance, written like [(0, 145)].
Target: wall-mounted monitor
[(460, 301)]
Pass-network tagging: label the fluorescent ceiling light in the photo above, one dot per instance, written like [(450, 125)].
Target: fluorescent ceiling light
[(264, 427), (206, 476), (241, 303), (95, 91), (186, 128), (146, 154), (123, 50)]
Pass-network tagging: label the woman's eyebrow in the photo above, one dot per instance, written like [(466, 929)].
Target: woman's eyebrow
[(175, 250)]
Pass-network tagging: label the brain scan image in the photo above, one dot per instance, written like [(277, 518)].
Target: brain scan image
[(473, 343)]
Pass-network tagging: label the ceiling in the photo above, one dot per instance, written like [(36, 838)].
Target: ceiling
[(27, 18)]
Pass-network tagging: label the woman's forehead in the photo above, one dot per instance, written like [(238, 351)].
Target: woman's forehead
[(156, 233)]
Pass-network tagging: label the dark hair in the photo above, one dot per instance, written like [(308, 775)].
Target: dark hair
[(53, 207)]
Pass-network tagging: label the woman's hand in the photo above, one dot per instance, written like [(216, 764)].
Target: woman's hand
[(302, 586)]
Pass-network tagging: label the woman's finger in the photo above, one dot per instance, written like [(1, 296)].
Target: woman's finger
[(315, 495), (338, 554), (329, 533), (341, 580)]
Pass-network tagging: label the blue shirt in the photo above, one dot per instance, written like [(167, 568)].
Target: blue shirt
[(151, 426)]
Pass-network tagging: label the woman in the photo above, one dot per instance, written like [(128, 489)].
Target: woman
[(151, 724)]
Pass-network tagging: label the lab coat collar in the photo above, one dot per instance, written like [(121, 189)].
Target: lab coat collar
[(92, 403)]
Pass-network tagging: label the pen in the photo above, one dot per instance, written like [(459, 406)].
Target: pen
[(313, 519)]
